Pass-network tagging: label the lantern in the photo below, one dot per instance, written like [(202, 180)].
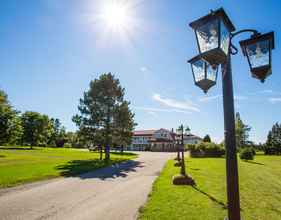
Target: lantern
[(257, 49), (204, 74), (213, 36)]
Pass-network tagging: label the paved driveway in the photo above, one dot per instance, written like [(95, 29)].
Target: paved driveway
[(115, 192)]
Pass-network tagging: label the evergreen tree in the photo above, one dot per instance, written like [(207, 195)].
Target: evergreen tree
[(207, 139), (273, 143), (124, 125), (58, 136), (99, 109), (242, 132)]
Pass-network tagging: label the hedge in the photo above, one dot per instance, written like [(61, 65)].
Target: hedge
[(205, 149)]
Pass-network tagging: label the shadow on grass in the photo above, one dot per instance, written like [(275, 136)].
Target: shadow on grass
[(196, 169), (86, 169), (253, 162), (124, 153), (211, 197), (17, 148), (1, 156)]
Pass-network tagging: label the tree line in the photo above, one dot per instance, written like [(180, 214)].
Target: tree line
[(28, 128)]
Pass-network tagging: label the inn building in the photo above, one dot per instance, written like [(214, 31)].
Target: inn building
[(159, 140)]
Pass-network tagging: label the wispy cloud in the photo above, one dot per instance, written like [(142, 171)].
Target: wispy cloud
[(274, 100), (184, 105), (209, 98), (154, 110)]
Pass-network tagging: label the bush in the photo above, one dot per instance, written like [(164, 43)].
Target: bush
[(272, 150), (205, 149), (246, 154), (67, 145)]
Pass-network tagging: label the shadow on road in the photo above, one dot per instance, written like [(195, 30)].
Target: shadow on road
[(80, 167)]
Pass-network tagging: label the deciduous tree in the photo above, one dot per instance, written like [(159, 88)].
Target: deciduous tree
[(10, 124), (37, 128)]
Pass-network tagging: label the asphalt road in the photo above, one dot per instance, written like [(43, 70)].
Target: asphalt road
[(112, 193)]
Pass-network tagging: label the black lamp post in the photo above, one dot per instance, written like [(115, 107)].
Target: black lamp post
[(214, 33), (180, 132)]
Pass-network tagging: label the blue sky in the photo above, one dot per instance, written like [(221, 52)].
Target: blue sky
[(50, 50)]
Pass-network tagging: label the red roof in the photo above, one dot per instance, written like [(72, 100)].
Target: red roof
[(144, 132)]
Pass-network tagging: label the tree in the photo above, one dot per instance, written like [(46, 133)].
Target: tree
[(207, 138), (37, 128), (123, 125), (273, 143), (242, 132), (98, 109), (246, 154), (10, 124), (58, 136)]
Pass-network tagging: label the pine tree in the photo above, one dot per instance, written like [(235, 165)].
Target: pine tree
[(123, 125), (207, 138), (99, 109), (242, 132), (273, 143)]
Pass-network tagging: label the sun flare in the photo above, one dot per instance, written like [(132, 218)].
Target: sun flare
[(116, 16)]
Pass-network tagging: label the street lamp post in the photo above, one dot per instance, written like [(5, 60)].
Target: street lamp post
[(181, 144), (214, 33)]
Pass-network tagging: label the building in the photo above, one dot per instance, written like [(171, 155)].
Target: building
[(141, 140), (190, 139), (159, 140)]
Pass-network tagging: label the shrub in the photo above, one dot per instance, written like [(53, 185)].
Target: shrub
[(272, 150), (205, 149), (67, 145), (246, 154)]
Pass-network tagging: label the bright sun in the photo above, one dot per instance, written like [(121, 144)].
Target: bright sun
[(116, 16)]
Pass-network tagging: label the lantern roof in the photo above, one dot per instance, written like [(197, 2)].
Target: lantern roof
[(256, 38), (194, 59), (219, 13)]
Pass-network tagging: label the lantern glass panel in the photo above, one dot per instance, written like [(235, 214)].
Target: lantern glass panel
[(211, 71), (198, 70), (208, 36), (225, 38), (258, 53)]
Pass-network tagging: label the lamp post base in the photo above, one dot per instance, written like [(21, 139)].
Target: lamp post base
[(183, 180), (177, 164), (226, 218)]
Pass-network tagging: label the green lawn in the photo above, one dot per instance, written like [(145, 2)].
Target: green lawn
[(24, 165), (260, 191)]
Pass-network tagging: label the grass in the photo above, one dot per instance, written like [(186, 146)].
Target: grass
[(260, 191), (21, 165)]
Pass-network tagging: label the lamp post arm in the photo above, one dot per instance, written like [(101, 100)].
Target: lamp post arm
[(254, 32), (233, 49)]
